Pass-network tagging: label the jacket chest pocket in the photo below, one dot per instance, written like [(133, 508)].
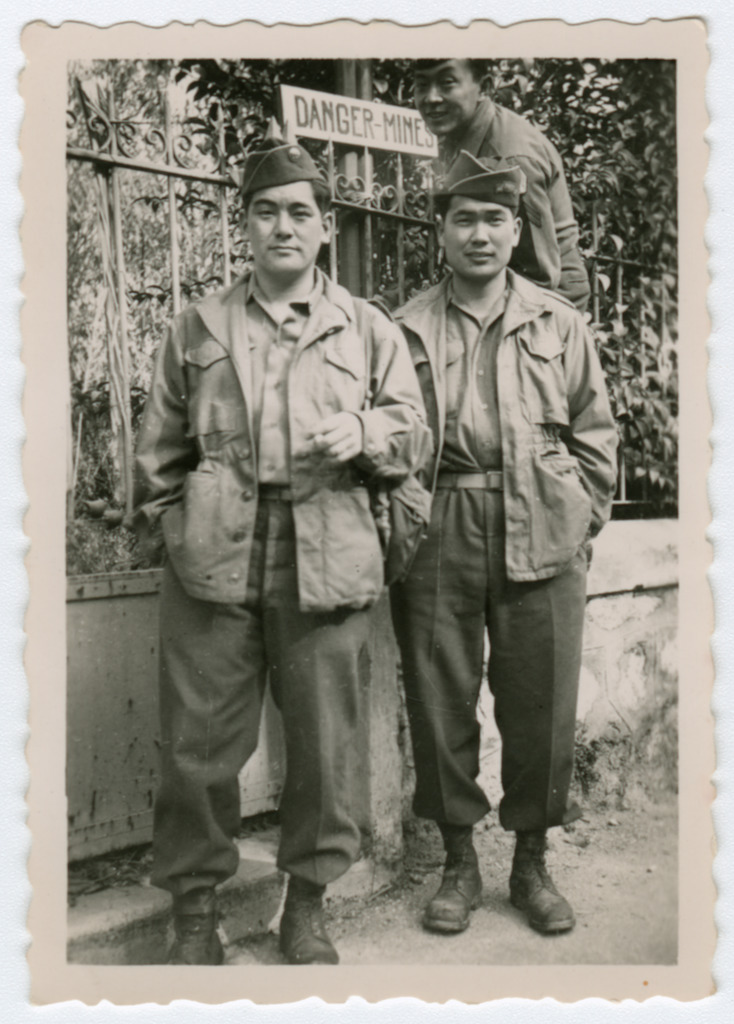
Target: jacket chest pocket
[(343, 372), (542, 378), (213, 399)]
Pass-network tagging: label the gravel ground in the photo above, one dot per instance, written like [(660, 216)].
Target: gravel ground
[(618, 869)]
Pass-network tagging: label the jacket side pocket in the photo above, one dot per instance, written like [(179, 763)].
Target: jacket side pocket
[(193, 529), (561, 512)]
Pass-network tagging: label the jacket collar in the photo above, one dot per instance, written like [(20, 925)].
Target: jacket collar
[(420, 313), (223, 312), (254, 292), (525, 302)]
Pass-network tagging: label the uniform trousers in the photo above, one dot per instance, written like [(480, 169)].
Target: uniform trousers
[(457, 589), (215, 659)]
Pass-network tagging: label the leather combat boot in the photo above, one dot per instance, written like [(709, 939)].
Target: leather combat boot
[(195, 923), (460, 891), (303, 938), (532, 889)]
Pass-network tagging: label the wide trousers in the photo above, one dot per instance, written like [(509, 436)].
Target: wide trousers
[(215, 660), (458, 589)]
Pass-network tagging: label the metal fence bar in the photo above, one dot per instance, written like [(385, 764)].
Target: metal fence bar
[(333, 256), (344, 204), (431, 230), (643, 382), (369, 285), (595, 307), (224, 212), (146, 166), (400, 184), (632, 263), (172, 219), (123, 375), (619, 296)]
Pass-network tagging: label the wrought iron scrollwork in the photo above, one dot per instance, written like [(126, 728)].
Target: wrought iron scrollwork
[(192, 144), (351, 190), (416, 203), (385, 197), (96, 117)]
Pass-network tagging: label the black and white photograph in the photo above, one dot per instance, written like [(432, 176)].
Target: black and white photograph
[(373, 477)]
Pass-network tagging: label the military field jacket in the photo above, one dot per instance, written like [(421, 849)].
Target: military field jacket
[(548, 252), (196, 467), (558, 436)]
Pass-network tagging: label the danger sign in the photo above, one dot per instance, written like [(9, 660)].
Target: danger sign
[(357, 123)]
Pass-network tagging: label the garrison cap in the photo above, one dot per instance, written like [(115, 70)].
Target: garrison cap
[(266, 168), (492, 179)]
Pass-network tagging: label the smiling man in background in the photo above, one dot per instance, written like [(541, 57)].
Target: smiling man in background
[(448, 95), (523, 478), (273, 402)]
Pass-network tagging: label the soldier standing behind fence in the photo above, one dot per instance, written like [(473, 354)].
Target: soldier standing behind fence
[(448, 96), (272, 403)]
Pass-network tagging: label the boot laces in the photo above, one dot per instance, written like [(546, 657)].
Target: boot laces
[(539, 871)]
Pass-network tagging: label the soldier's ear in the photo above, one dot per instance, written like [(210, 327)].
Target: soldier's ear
[(518, 230), (327, 224)]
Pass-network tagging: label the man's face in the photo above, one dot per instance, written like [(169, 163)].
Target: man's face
[(478, 237), (286, 229), (446, 96)]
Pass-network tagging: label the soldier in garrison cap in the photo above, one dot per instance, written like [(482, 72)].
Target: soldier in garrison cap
[(448, 95), (255, 451), (522, 478)]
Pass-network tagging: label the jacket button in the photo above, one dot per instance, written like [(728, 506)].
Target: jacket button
[(234, 577), (243, 453), (246, 495), (238, 536)]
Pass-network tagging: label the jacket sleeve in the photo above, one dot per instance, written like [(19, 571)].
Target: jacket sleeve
[(592, 434), (164, 453), (574, 279), (397, 441)]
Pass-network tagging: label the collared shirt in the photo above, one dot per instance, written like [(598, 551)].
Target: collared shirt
[(473, 441), (274, 331)]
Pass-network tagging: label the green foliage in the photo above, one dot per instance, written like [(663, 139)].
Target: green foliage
[(613, 123), (94, 547)]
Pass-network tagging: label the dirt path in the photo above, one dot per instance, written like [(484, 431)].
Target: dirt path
[(618, 869)]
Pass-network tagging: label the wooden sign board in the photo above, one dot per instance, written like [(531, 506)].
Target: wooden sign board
[(356, 123)]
